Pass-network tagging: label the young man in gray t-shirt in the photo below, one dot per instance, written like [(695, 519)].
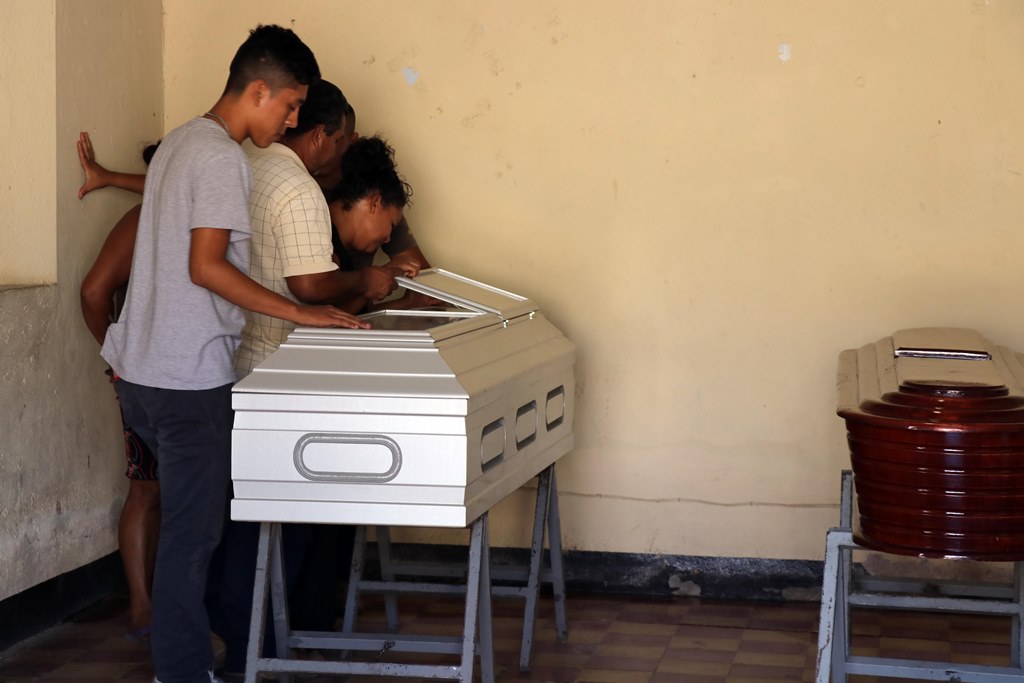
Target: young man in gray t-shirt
[(174, 343)]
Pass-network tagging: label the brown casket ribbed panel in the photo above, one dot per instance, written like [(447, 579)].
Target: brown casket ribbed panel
[(935, 424)]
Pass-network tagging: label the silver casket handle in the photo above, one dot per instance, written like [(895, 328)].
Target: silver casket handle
[(348, 439)]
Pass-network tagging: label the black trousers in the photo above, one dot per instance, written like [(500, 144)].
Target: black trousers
[(190, 434)]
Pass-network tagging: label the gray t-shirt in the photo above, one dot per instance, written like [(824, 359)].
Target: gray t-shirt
[(173, 334)]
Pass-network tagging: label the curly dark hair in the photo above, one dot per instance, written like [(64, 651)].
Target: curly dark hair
[(367, 167)]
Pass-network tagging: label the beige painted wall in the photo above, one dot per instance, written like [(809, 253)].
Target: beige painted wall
[(79, 65), (28, 255), (712, 199)]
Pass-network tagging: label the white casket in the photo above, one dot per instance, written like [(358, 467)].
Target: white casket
[(428, 419)]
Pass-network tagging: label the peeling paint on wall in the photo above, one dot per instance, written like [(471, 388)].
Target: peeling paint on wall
[(411, 75), (784, 52), (686, 589)]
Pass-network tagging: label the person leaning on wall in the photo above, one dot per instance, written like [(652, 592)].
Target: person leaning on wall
[(139, 524)]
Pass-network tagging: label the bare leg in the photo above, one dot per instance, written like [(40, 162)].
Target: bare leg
[(137, 535)]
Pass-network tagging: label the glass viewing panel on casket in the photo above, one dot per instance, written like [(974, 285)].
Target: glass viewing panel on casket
[(428, 419)]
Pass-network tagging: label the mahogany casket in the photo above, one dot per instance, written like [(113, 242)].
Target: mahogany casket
[(428, 419), (935, 424)]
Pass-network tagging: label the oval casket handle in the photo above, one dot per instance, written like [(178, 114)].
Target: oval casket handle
[(348, 440)]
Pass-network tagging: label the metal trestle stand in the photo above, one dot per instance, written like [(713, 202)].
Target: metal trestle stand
[(475, 641), (841, 591), (528, 579)]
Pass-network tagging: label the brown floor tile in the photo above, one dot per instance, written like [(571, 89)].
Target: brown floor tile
[(781, 647), (611, 640), (691, 642), (622, 663), (665, 677), (981, 635), (559, 659), (630, 651), (637, 628), (766, 672), (640, 639), (109, 671), (682, 666), (709, 630), (991, 649), (699, 655), (986, 660), (612, 676), (795, 661)]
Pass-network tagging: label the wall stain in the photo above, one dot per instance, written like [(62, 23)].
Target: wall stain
[(483, 107), (472, 39)]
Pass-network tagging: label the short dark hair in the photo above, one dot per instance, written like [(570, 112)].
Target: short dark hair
[(274, 54), (325, 104), (367, 167), (147, 154), (350, 115)]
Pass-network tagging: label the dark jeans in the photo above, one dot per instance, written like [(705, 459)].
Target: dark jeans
[(315, 557), (190, 433), (314, 599), (232, 578)]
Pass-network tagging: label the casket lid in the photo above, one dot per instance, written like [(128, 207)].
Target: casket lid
[(932, 374), (472, 306), (461, 291), (400, 356)]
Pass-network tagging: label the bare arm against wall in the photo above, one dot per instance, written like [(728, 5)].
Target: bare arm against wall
[(97, 176)]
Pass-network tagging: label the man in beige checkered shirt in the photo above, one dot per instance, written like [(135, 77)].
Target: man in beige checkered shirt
[(291, 254), (291, 250)]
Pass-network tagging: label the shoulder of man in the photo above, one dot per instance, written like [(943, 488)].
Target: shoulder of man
[(279, 176)]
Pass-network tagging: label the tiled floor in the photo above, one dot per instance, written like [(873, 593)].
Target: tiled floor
[(611, 640)]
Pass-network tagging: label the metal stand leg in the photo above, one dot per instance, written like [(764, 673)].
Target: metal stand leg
[(545, 516), (829, 598), (540, 518), (485, 627), (387, 573), (1017, 634), (477, 621), (840, 626), (472, 600), (355, 575), (261, 587), (557, 571), (279, 598)]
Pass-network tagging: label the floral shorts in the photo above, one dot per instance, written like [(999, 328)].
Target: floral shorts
[(142, 465)]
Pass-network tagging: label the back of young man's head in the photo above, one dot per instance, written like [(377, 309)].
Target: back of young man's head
[(325, 105), (273, 54)]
